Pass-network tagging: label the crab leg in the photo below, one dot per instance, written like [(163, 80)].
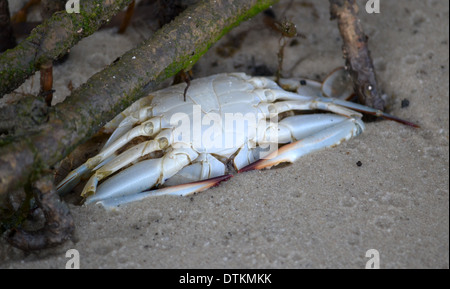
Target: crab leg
[(121, 161), (126, 124), (204, 167), (206, 171), (131, 113), (330, 136), (161, 141), (315, 103), (333, 104), (144, 175), (366, 109), (72, 179), (307, 87), (333, 87), (143, 109), (148, 128), (179, 190)]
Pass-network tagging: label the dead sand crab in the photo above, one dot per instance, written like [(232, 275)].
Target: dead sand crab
[(228, 118)]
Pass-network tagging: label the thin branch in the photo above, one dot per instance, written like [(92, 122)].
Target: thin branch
[(52, 39), (46, 82), (48, 8), (7, 39), (356, 53), (22, 14), (178, 45), (127, 18)]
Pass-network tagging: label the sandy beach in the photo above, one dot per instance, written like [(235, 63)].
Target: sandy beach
[(323, 211)]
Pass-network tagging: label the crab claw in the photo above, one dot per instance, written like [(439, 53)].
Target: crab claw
[(328, 137), (179, 190)]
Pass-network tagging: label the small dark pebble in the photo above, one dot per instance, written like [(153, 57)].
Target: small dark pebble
[(261, 70), (405, 103), (270, 13), (302, 82), (294, 42), (359, 163)]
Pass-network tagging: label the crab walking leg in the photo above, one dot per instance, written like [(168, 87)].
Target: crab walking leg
[(288, 130), (143, 103), (366, 109), (303, 87), (312, 104), (204, 167), (127, 124), (280, 94), (148, 128), (179, 190), (144, 175), (205, 172), (72, 179), (328, 137), (121, 161)]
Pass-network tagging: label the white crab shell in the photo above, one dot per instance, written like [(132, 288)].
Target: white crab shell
[(230, 117)]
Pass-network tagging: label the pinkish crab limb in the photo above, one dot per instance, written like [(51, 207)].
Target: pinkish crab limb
[(330, 136), (177, 190)]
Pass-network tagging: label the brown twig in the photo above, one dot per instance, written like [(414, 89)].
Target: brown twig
[(52, 39), (287, 29), (356, 53), (48, 8), (21, 15), (127, 18), (46, 80), (7, 39)]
